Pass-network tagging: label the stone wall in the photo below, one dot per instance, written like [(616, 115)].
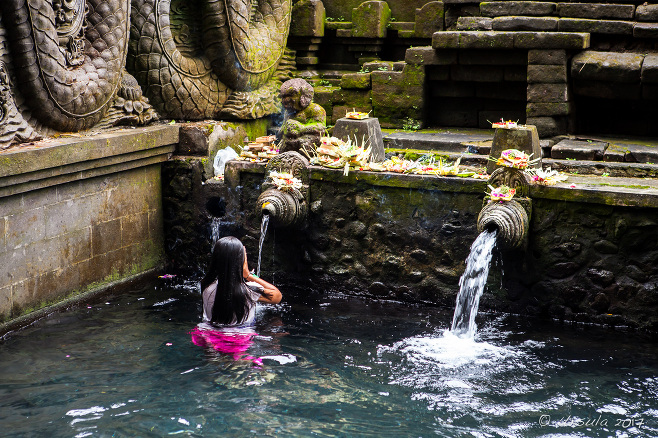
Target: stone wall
[(78, 213), (591, 256)]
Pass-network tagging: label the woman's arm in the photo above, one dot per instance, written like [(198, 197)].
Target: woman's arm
[(271, 294)]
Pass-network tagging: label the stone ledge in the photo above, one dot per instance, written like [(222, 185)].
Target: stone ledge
[(596, 10), (501, 8), (613, 27), (57, 161), (510, 40), (607, 66)]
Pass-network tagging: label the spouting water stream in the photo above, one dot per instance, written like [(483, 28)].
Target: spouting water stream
[(263, 232), (471, 285)]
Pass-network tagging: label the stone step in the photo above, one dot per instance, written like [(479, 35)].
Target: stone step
[(510, 40), (445, 142)]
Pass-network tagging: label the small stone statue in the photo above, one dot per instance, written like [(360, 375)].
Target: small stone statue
[(304, 120)]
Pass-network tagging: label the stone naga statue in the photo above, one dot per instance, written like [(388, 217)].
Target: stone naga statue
[(68, 59), (190, 55)]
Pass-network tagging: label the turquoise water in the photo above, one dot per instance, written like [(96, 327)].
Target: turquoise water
[(338, 366)]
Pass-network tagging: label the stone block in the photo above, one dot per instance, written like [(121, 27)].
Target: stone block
[(486, 40), (547, 57), (307, 60), (474, 23), (105, 236), (366, 128), (607, 66), (525, 23), (193, 139), (5, 303), (607, 89), (453, 89), (357, 81), (344, 33), (25, 227), (649, 74), (445, 40), (429, 56), (466, 118), (324, 95), (645, 30), (488, 57), (369, 19), (524, 138), (548, 74), (616, 153), (360, 98), (596, 10), (551, 40), (429, 19), (503, 8), (477, 73), (371, 66), (538, 109), (503, 91), (134, 228), (611, 27), (548, 93), (642, 153), (548, 126), (307, 19), (515, 74), (646, 12), (439, 73), (579, 150)]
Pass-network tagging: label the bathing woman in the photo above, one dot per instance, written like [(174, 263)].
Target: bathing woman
[(230, 291)]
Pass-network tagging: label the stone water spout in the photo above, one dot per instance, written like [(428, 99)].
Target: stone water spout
[(510, 218), (286, 207)]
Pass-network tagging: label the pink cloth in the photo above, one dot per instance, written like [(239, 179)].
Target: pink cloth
[(229, 343)]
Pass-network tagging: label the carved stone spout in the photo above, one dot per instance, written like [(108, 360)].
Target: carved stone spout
[(286, 206), (509, 219)]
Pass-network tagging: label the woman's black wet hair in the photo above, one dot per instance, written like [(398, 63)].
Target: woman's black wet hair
[(226, 266)]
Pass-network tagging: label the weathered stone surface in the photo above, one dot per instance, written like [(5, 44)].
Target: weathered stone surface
[(429, 56), (556, 74), (474, 23), (579, 150), (525, 139), (607, 66), (360, 98), (339, 111), (525, 23), (476, 73), (193, 139), (497, 9), (646, 12), (614, 27), (472, 40), (596, 10), (548, 126), (377, 66), (359, 81), (369, 19), (649, 72), (551, 40), (307, 18), (645, 30), (367, 128), (397, 96), (607, 89), (616, 153), (488, 57), (547, 57), (536, 109), (548, 93), (429, 19), (642, 153)]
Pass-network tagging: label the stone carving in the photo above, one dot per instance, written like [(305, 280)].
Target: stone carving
[(190, 58), (67, 57), (509, 218), (13, 128), (304, 120), (286, 208), (512, 178)]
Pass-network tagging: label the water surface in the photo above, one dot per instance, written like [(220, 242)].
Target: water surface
[(350, 367)]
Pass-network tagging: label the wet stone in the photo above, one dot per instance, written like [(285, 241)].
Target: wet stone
[(600, 303), (562, 270), (358, 229), (420, 255), (601, 277), (579, 150)]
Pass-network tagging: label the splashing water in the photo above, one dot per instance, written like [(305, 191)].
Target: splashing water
[(471, 285), (263, 232)]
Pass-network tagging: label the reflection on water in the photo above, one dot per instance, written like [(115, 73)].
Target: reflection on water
[(332, 366)]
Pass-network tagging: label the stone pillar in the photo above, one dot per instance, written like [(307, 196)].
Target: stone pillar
[(549, 98), (368, 129)]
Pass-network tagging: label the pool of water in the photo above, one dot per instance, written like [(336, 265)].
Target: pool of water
[(334, 366)]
